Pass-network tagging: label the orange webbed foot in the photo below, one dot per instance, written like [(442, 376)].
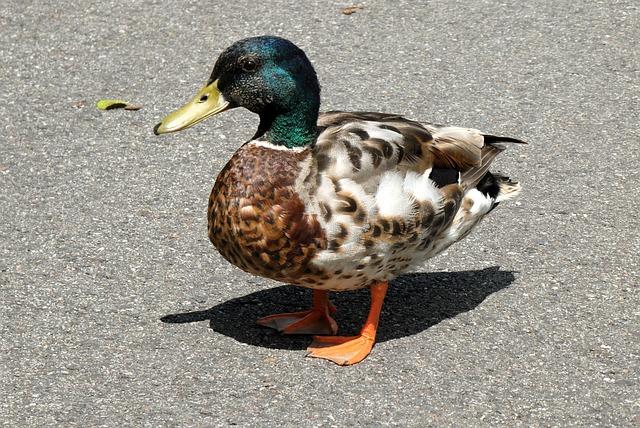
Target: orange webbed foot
[(345, 351), (306, 322), (314, 321), (342, 350)]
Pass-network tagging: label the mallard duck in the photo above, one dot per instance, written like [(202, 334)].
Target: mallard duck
[(334, 201)]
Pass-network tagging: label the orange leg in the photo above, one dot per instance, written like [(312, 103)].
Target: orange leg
[(345, 351), (316, 320)]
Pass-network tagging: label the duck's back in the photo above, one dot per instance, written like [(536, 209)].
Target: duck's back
[(375, 195)]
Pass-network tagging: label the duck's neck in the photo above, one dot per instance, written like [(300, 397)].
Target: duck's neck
[(293, 128)]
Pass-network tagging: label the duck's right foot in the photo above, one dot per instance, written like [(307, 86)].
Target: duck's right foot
[(316, 321)]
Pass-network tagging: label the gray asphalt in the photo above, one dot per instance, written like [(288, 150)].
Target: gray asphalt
[(116, 310)]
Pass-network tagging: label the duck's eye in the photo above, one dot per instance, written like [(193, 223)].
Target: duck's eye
[(249, 65)]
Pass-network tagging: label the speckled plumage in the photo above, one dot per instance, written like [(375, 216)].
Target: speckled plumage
[(359, 206), (258, 221)]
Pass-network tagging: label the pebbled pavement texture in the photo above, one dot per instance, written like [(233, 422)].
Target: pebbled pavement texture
[(115, 310)]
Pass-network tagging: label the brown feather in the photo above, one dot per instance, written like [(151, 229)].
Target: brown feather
[(256, 219), (472, 176)]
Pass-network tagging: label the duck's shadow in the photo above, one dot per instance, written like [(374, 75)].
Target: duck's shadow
[(414, 303)]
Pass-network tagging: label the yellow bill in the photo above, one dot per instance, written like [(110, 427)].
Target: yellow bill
[(207, 102)]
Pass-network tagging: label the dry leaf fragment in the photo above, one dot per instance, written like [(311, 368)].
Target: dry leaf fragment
[(351, 9), (133, 106)]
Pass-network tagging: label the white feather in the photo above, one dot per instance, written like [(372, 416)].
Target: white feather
[(391, 198), (384, 134), (481, 203), (422, 188), (268, 145)]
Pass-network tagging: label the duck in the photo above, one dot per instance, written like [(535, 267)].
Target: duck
[(334, 201)]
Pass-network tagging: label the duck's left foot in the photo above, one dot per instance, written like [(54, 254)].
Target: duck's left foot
[(342, 350), (314, 321)]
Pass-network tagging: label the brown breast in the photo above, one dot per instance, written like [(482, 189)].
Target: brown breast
[(256, 219)]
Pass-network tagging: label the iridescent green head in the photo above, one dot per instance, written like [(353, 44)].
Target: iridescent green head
[(269, 76)]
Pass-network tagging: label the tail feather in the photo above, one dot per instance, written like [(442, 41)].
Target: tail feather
[(493, 139), (473, 176), (492, 147), (498, 187), (508, 189)]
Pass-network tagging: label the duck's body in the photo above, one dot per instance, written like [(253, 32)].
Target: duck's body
[(374, 196), (335, 201)]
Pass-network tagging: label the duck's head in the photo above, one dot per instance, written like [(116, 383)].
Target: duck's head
[(269, 76)]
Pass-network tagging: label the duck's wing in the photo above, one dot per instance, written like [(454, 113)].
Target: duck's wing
[(360, 145)]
